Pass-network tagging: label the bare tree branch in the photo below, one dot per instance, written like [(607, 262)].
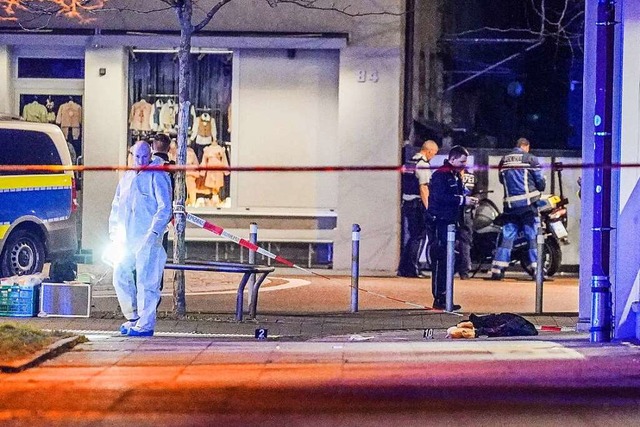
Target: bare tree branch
[(346, 10), (211, 14)]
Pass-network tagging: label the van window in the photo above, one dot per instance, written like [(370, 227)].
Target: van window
[(27, 147)]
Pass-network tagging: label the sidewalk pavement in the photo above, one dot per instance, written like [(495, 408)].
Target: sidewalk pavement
[(378, 325)]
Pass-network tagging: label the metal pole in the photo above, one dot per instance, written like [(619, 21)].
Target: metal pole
[(355, 266), (539, 270), (600, 330), (451, 261), (253, 238)]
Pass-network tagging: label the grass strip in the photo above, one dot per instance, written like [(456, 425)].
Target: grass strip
[(18, 340)]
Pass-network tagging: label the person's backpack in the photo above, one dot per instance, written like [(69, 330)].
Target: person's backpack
[(502, 325)]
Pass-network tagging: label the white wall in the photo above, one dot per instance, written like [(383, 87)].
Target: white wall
[(287, 115), (6, 92), (626, 253), (105, 138), (369, 135)]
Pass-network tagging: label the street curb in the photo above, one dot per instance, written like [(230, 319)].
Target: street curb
[(47, 353)]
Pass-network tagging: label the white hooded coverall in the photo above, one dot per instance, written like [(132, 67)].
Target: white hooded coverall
[(140, 213)]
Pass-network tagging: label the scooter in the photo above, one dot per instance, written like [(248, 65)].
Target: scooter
[(487, 231)]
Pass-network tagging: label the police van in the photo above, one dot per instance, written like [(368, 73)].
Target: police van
[(38, 208)]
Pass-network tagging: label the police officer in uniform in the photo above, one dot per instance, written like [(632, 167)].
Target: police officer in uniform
[(446, 203), (523, 181), (415, 199)]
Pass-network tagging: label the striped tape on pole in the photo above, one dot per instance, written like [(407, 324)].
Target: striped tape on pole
[(244, 242)]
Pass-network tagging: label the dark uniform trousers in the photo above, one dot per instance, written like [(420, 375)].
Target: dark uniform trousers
[(413, 236), (464, 240), (437, 232)]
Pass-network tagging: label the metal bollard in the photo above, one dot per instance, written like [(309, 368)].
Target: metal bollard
[(355, 266), (539, 270), (253, 238), (451, 262)]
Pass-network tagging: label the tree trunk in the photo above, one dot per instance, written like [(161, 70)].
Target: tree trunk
[(179, 250)]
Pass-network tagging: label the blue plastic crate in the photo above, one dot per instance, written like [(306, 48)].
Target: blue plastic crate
[(19, 301)]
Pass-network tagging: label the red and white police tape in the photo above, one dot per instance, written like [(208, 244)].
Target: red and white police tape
[(209, 226), (549, 328)]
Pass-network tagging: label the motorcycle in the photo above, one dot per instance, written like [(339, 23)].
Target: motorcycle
[(487, 231)]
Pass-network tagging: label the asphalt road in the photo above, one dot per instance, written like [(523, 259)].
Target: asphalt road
[(283, 292)]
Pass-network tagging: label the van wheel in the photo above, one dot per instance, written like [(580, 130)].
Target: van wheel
[(23, 253)]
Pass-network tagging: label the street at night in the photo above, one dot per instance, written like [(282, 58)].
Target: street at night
[(551, 380)]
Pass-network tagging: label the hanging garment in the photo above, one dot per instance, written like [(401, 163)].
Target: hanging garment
[(155, 115), (140, 116), (214, 156), (51, 115), (205, 127), (35, 112), (168, 115), (192, 118), (70, 117), (191, 176)]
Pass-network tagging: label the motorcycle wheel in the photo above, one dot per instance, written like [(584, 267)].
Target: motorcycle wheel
[(552, 259)]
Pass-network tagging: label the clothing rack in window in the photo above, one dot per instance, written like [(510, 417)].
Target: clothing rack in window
[(162, 95)]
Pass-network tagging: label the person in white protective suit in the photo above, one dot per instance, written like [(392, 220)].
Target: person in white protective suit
[(140, 213)]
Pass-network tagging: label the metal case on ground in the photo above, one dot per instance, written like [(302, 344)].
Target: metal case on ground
[(65, 300)]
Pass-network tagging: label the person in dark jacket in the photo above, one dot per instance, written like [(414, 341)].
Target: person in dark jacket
[(521, 176), (446, 202), (160, 145), (415, 196)]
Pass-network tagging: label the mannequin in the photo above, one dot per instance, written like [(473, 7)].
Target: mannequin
[(203, 133), (191, 176), (214, 155)]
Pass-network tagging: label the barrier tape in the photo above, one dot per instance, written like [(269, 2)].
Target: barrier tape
[(411, 304), (371, 168), (209, 226), (550, 328)]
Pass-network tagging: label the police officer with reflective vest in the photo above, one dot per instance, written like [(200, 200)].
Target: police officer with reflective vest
[(523, 182), (415, 199)]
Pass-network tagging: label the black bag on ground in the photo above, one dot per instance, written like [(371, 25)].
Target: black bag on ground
[(63, 270), (502, 325)]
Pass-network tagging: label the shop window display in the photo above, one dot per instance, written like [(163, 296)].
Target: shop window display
[(63, 110), (153, 100)]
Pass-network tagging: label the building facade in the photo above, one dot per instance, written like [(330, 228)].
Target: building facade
[(272, 86)]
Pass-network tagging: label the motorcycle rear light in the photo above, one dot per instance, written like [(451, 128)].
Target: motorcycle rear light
[(558, 214)]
